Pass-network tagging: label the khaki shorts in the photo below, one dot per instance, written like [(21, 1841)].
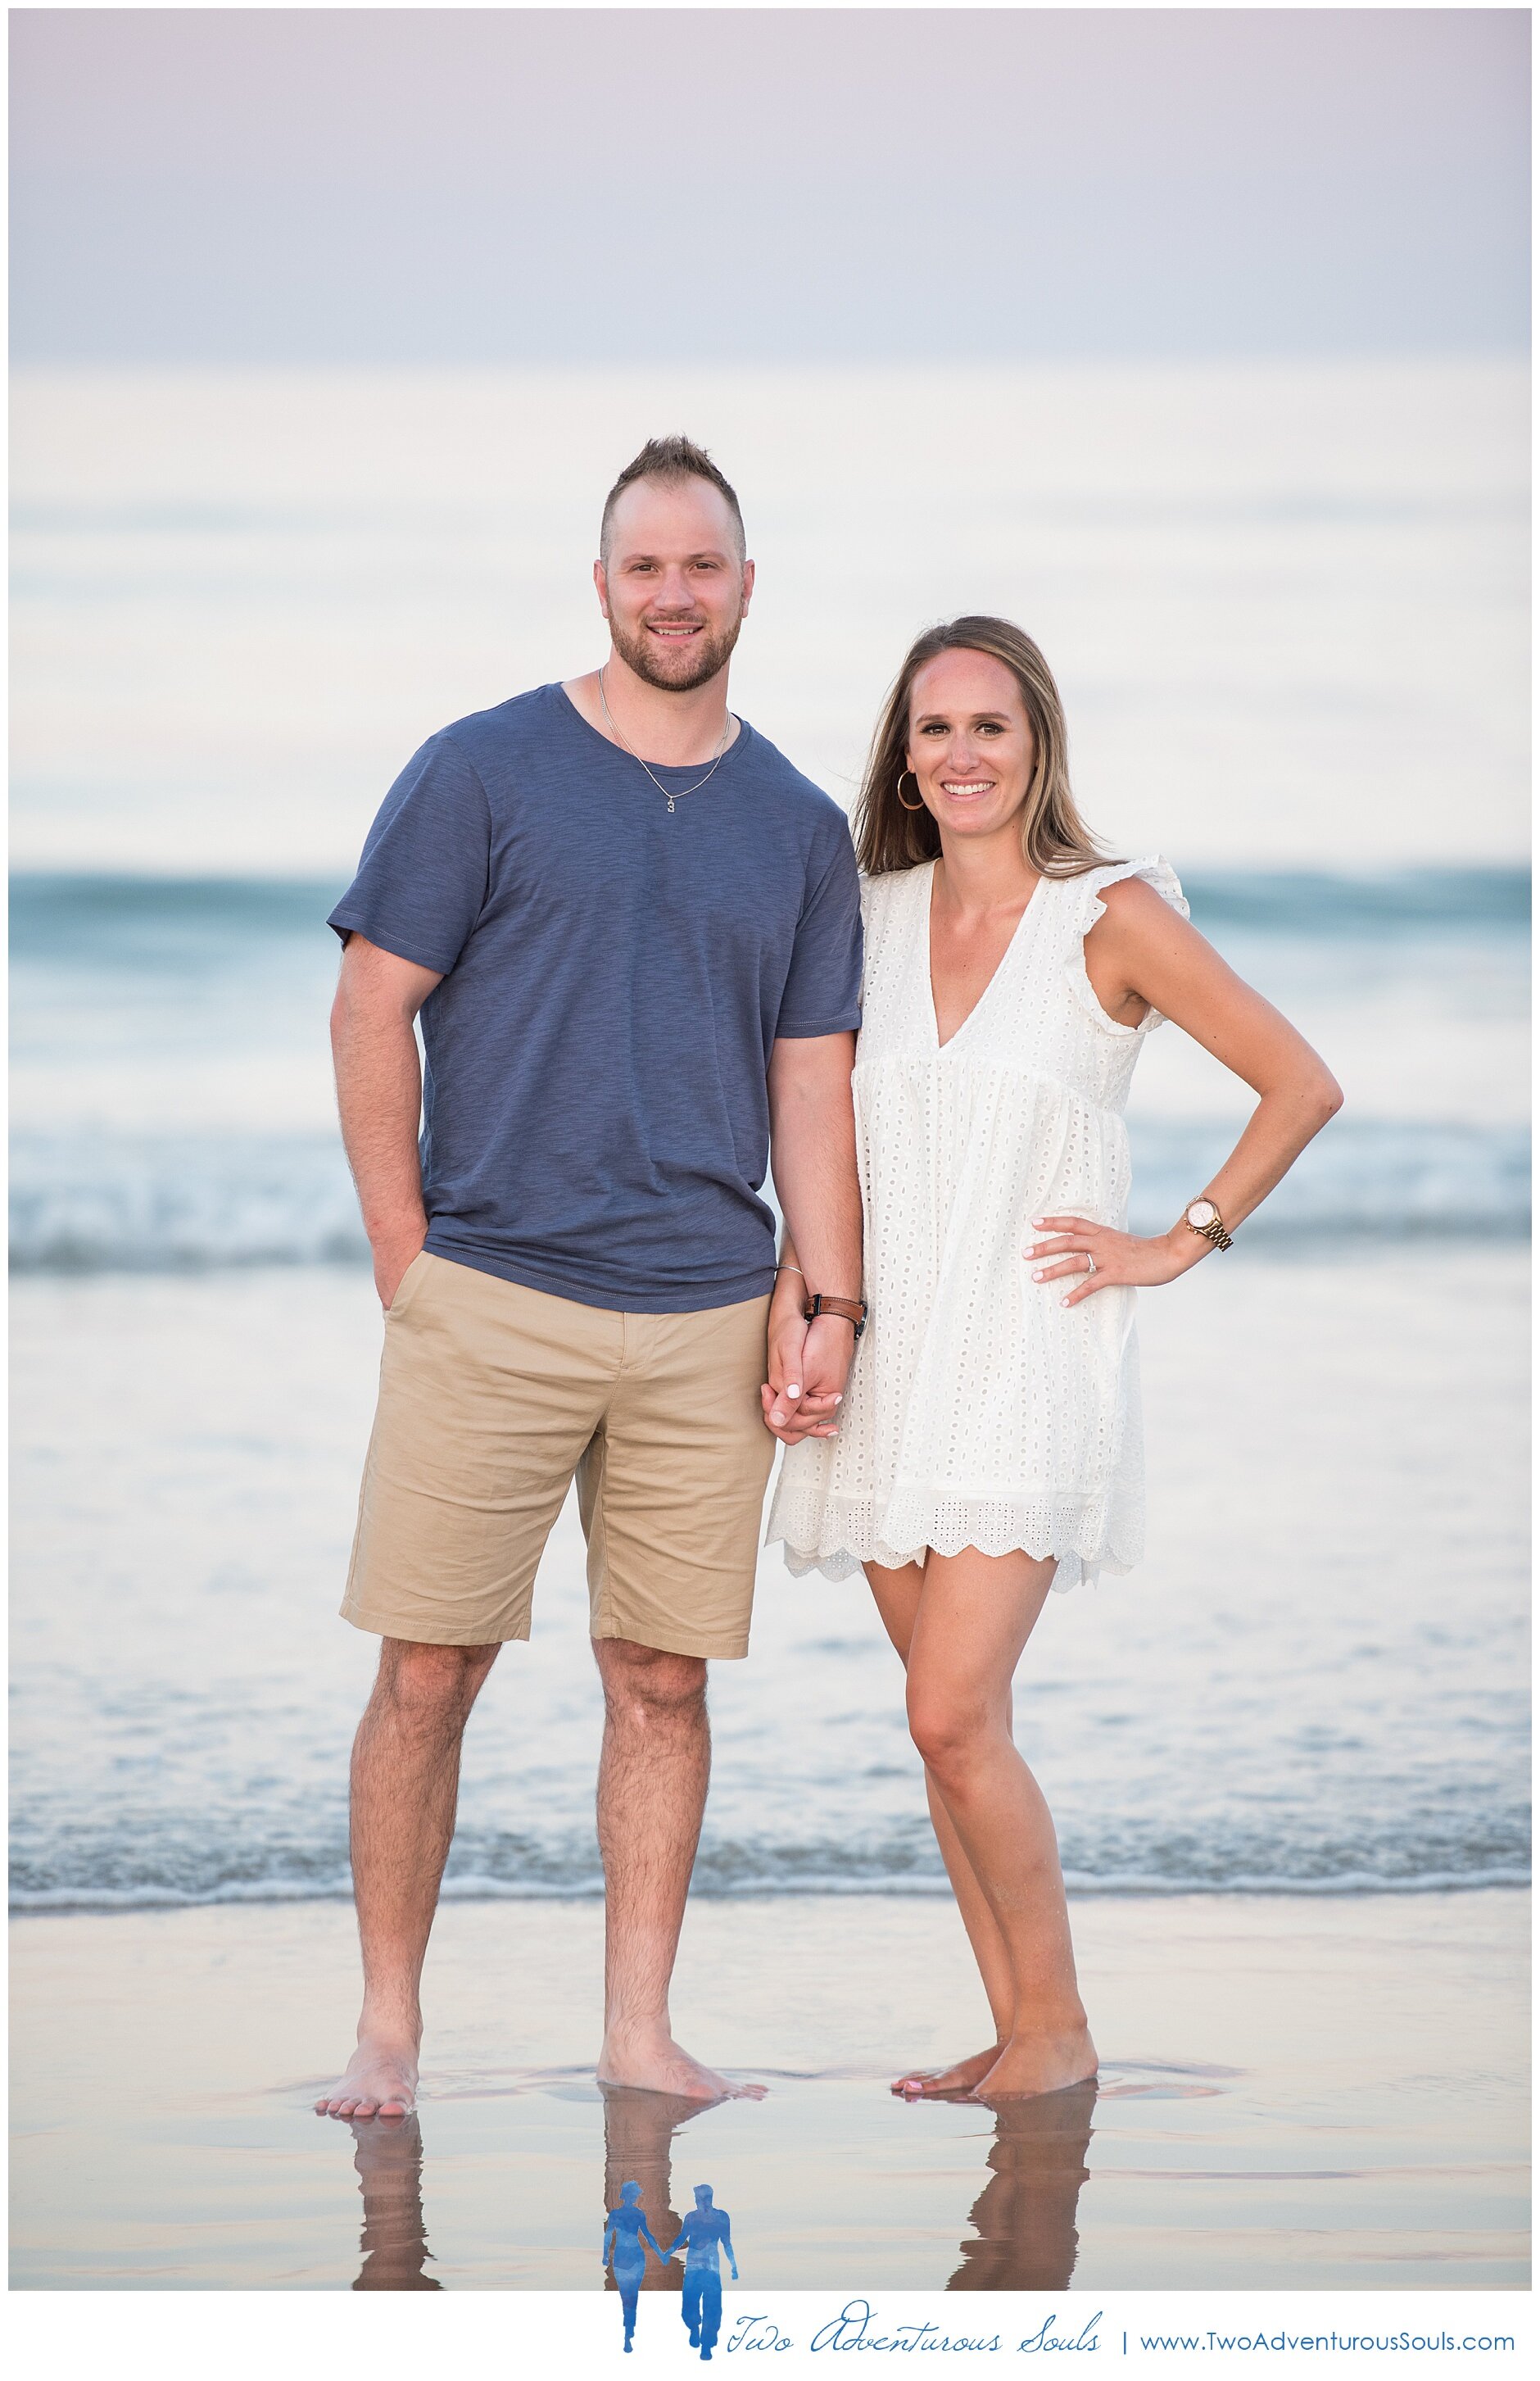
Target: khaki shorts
[(493, 1396)]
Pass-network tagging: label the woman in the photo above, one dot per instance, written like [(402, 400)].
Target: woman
[(990, 1443), (625, 2227)]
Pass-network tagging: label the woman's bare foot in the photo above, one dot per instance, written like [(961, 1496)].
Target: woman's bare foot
[(1039, 2062), (654, 2062), (941, 2082), (381, 2080)]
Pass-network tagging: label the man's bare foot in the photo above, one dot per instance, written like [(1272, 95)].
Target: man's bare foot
[(1039, 2062), (654, 2062), (939, 2082), (381, 2080)]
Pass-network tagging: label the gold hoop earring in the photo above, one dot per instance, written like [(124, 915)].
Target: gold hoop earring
[(901, 803)]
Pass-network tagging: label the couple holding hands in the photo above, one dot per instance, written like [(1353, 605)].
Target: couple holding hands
[(647, 956)]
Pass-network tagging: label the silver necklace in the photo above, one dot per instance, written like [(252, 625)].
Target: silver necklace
[(680, 792)]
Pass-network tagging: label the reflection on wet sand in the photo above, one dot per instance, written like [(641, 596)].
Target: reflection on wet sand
[(1025, 2215), (639, 2128), (394, 2240)]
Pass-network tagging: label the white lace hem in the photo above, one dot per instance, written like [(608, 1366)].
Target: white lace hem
[(834, 1535)]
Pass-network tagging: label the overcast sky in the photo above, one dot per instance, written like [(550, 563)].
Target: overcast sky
[(951, 187)]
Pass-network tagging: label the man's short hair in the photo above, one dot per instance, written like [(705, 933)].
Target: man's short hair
[(670, 460)]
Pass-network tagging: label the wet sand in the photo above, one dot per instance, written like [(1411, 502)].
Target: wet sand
[(1297, 2095)]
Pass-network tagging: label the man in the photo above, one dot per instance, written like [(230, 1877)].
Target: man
[(705, 2232), (633, 933)]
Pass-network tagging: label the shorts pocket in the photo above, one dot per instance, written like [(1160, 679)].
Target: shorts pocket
[(409, 1283)]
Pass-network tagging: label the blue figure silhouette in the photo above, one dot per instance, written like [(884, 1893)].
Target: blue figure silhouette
[(624, 2230), (703, 2234)]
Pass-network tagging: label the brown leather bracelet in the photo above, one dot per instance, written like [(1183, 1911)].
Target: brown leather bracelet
[(849, 1310)]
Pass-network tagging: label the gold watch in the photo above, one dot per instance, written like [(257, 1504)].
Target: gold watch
[(1202, 1216)]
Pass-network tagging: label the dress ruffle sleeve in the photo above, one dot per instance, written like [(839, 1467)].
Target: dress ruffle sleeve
[(1154, 871)]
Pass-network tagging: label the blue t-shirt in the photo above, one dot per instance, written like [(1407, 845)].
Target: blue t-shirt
[(595, 1118)]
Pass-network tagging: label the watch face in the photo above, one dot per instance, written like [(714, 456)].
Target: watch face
[(1202, 1212)]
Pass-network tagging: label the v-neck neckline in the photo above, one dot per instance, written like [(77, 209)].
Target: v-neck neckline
[(1001, 964)]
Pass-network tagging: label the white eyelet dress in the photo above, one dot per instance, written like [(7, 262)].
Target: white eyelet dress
[(980, 1411)]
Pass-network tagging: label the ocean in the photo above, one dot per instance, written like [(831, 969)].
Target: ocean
[(1289, 610)]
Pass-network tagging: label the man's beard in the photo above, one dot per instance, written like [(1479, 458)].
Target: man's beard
[(697, 658)]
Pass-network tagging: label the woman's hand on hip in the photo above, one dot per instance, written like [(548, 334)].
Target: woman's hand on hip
[(1117, 1260)]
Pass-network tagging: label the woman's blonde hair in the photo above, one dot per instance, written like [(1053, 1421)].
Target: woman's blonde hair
[(1055, 837)]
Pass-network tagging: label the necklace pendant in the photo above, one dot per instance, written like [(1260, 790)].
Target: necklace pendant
[(670, 806)]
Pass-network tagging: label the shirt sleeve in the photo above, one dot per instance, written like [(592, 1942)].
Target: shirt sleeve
[(822, 992), (423, 879)]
